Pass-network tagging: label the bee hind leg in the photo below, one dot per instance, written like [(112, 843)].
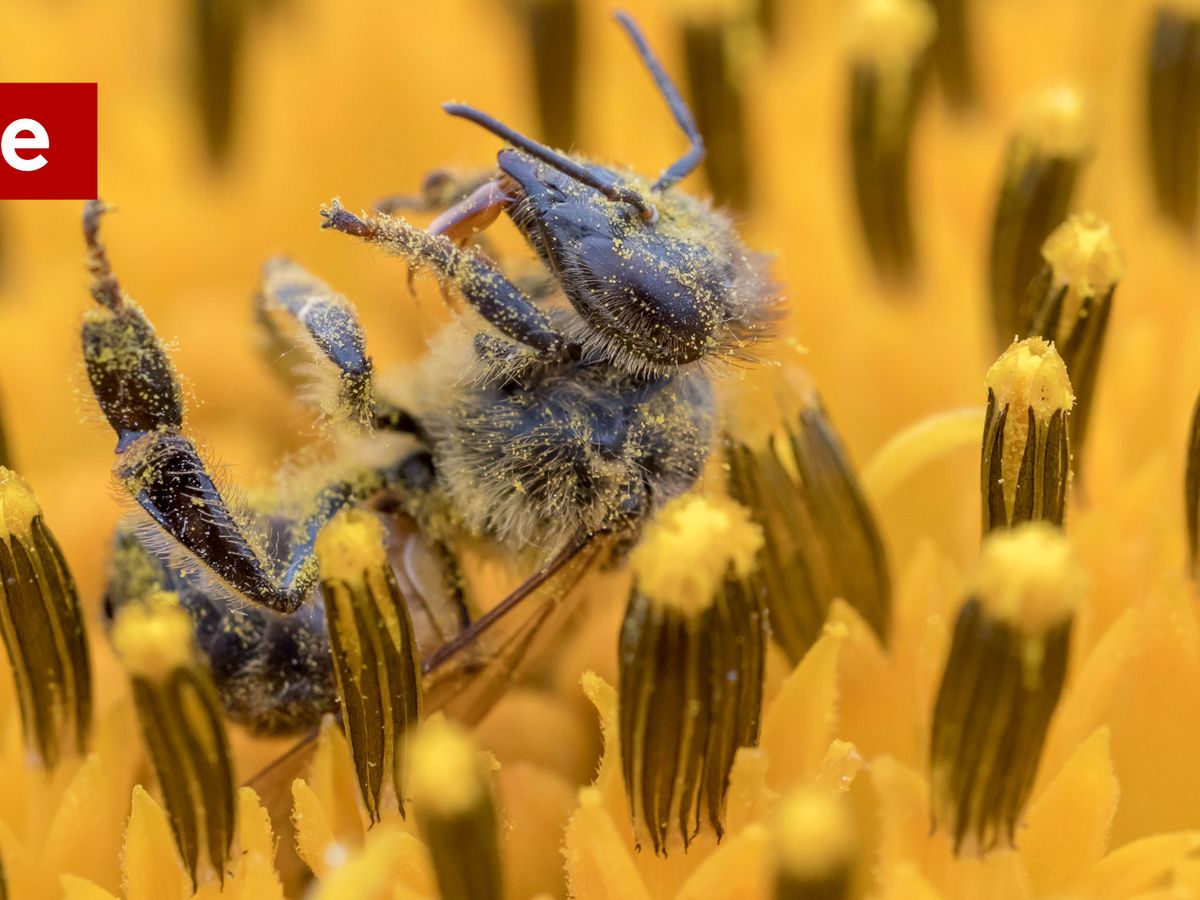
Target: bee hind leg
[(159, 466)]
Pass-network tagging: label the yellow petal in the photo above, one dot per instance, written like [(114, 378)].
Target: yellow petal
[(254, 825), (801, 721), (151, 866), (366, 875), (597, 859), (1067, 826), (1142, 864), (905, 839), (904, 882), (738, 870), (256, 880), (75, 843), (75, 888), (537, 803), (315, 840), (334, 783)]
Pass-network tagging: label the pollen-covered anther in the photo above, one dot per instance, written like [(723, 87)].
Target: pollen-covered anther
[(691, 659), (1045, 156), (375, 659), (1005, 672), (888, 42), (1072, 300), (42, 626), (455, 811), (182, 727), (821, 541), (1026, 461), (815, 846)]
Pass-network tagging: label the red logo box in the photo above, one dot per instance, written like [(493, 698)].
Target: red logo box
[(47, 141)]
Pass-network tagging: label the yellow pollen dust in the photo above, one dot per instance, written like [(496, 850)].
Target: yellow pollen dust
[(1029, 577), (687, 551), (890, 32), (1084, 255), (445, 776), (351, 544), (813, 835), (1056, 121), (153, 637), (1030, 374), (18, 506)]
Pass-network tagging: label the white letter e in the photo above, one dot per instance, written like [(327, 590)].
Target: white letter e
[(10, 143)]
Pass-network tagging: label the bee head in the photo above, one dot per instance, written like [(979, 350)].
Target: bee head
[(651, 289)]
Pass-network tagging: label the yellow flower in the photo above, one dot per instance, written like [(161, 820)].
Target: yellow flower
[(342, 99)]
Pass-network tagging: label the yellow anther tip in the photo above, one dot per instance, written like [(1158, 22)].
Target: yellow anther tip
[(686, 552), (444, 772), (1056, 120), (350, 545), (1084, 255), (1029, 577), (154, 638), (814, 835), (1030, 373), (890, 32), (18, 506)]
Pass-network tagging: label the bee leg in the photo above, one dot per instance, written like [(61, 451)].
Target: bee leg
[(137, 390), (440, 189), (298, 311), (475, 277)]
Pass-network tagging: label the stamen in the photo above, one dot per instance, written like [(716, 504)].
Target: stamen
[(6, 459), (182, 726), (1044, 158), (1003, 678), (821, 540), (1072, 301), (42, 626), (1026, 460), (888, 42), (553, 30), (375, 659), (691, 660), (1173, 111), (455, 811), (218, 29), (1191, 492), (953, 53), (717, 40), (815, 844)]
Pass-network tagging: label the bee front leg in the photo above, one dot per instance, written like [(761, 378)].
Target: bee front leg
[(474, 276), (298, 311)]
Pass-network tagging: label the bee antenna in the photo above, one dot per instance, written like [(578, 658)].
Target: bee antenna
[(687, 122), (616, 192)]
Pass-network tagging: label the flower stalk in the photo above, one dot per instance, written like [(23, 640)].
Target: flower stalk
[(888, 44), (182, 727), (821, 541), (375, 659), (1073, 300), (815, 846), (41, 623), (1045, 156), (454, 808), (691, 659), (1026, 460), (1173, 112), (1001, 684)]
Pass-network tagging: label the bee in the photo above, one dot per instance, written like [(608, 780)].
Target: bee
[(553, 432)]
